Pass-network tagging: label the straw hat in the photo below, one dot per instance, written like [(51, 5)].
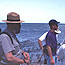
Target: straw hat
[(13, 17)]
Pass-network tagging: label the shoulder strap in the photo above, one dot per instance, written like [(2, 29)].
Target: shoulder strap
[(11, 41), (11, 38), (8, 35)]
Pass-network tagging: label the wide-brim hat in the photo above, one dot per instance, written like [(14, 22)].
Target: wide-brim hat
[(57, 31), (13, 17)]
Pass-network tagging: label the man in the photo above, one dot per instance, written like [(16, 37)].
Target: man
[(51, 42), (12, 53), (61, 54), (43, 39)]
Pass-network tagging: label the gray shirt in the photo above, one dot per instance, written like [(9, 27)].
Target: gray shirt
[(61, 52), (7, 46)]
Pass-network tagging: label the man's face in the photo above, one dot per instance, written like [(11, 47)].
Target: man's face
[(18, 26), (55, 27)]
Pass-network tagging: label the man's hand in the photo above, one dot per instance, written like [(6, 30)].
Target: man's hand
[(50, 55), (26, 55), (58, 57), (27, 61), (52, 61)]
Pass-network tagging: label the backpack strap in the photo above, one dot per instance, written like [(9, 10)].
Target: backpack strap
[(8, 35), (11, 38), (11, 41)]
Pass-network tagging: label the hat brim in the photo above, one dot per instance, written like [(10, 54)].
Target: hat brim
[(13, 21), (58, 22)]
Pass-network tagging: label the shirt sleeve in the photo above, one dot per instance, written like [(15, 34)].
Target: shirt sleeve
[(7, 44), (43, 36), (63, 42), (60, 52)]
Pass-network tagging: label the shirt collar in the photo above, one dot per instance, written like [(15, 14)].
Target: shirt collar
[(52, 32)]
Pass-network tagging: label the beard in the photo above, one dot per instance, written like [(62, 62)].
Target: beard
[(55, 28), (18, 31)]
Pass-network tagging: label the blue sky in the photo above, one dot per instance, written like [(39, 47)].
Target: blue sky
[(34, 11)]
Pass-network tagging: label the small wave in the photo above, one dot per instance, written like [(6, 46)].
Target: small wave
[(29, 39), (25, 40), (35, 29)]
